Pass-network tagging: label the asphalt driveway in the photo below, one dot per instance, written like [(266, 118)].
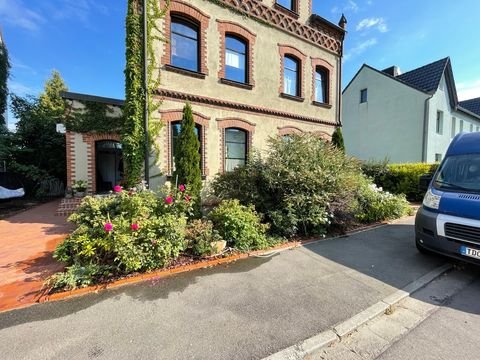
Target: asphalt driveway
[(245, 310)]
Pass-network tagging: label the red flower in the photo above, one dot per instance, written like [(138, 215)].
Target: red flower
[(134, 226), (108, 227), (188, 198), (181, 188), (117, 188), (168, 200)]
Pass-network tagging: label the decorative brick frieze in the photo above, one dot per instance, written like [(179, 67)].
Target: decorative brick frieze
[(231, 28), (240, 107), (301, 57), (317, 62), (170, 116), (238, 123), (186, 10), (327, 37)]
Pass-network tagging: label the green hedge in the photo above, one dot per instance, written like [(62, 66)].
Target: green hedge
[(399, 178)]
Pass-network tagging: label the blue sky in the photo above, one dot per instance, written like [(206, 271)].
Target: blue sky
[(84, 40)]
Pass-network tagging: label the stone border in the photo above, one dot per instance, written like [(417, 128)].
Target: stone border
[(339, 331)]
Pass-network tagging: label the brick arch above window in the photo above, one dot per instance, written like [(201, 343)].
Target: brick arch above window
[(231, 28), (175, 115), (237, 123), (185, 10), (289, 130), (323, 135), (288, 50), (328, 68)]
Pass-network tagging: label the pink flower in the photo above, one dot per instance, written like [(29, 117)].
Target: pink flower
[(168, 200), (108, 227), (134, 226), (181, 188), (187, 198), (117, 188)]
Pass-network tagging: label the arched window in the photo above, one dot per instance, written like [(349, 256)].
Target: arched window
[(321, 85), (176, 128), (236, 59), (291, 76), (235, 148), (184, 44)]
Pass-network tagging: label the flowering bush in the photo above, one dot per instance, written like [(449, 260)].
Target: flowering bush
[(374, 204), (125, 231)]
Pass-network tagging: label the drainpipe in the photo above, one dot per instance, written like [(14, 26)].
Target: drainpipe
[(425, 128), (145, 89)]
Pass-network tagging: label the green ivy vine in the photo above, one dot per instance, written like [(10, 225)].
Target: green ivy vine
[(4, 73), (93, 116), (133, 135)]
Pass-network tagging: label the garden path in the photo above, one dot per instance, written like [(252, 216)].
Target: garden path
[(27, 240)]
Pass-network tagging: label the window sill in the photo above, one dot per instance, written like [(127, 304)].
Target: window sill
[(286, 11), (237, 84), (291, 97), (320, 104), (181, 71)]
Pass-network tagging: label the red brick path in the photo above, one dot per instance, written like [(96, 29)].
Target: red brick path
[(26, 244)]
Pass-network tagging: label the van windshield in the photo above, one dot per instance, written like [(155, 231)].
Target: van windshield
[(459, 173)]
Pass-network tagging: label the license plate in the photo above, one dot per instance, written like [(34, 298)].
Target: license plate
[(466, 251)]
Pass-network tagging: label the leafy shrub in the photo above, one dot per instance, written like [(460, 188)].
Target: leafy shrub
[(124, 232), (78, 276), (300, 186), (200, 235), (376, 205), (399, 178), (239, 225)]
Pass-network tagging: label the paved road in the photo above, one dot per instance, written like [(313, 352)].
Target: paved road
[(245, 310), (451, 333)]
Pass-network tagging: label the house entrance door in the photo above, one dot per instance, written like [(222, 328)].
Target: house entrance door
[(108, 165)]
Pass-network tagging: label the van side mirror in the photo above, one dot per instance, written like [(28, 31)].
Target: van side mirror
[(424, 182)]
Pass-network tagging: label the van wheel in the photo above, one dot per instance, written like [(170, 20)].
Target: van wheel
[(421, 249)]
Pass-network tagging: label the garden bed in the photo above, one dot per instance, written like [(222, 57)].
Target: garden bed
[(186, 264)]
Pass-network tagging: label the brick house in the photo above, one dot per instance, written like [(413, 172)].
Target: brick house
[(267, 68)]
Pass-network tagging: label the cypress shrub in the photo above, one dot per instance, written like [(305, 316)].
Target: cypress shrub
[(337, 139), (187, 156)]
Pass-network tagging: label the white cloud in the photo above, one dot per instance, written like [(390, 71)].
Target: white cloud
[(17, 65), (468, 90), (375, 23), (75, 9), (349, 6), (21, 89), (16, 13), (360, 48)]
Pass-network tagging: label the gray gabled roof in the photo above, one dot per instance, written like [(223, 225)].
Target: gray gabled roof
[(92, 98), (472, 105), (426, 77)]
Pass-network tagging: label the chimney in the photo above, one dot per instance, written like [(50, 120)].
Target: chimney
[(393, 71)]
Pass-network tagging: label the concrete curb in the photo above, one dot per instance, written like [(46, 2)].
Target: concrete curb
[(339, 331)]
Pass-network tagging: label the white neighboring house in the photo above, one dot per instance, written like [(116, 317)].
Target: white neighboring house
[(409, 117)]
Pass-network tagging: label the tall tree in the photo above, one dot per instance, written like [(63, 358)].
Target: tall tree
[(337, 139), (4, 74), (37, 149), (50, 99), (187, 156)]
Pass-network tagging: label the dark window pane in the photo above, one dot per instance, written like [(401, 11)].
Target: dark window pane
[(286, 4), (235, 148), (184, 45), (364, 95), (235, 59)]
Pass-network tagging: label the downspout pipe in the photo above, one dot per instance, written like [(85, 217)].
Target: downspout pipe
[(145, 91), (426, 128)]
